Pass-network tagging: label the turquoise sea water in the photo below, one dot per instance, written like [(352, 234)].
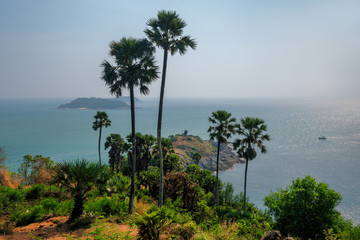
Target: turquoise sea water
[(36, 127)]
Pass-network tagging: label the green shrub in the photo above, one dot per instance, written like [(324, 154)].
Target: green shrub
[(22, 218), (34, 192), (152, 222), (50, 204), (304, 209), (64, 208), (10, 198), (107, 206)]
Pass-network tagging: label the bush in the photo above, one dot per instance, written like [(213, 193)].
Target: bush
[(34, 192), (304, 209), (9, 198), (22, 218), (107, 206), (64, 208), (50, 204)]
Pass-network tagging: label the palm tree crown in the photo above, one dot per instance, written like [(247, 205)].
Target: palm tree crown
[(135, 66), (166, 32), (252, 130), (223, 126)]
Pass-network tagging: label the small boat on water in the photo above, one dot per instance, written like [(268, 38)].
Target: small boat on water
[(322, 138)]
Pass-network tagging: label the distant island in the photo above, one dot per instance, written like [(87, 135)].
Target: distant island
[(97, 103)]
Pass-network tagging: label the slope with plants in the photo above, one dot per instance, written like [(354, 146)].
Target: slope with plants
[(186, 146)]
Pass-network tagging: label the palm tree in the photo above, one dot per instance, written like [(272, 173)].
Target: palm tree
[(135, 67), (117, 147), (79, 177), (222, 129), (101, 120), (252, 130), (166, 32)]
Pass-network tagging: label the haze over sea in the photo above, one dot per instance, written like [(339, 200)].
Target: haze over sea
[(36, 127)]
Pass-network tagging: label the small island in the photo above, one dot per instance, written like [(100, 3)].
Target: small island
[(95, 104)]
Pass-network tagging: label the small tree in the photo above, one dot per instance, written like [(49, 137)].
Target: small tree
[(79, 177), (305, 208), (196, 158), (101, 120), (34, 170)]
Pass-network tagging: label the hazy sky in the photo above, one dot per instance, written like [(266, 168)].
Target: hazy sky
[(304, 48)]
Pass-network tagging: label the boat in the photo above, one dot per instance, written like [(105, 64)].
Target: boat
[(322, 138)]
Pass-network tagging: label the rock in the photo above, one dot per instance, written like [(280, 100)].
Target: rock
[(272, 235)]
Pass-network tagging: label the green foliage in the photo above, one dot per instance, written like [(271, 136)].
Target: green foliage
[(104, 206), (305, 208), (50, 204), (64, 208), (151, 223), (150, 180), (118, 184), (117, 149), (22, 218), (203, 177), (145, 145), (10, 198), (34, 192), (196, 157), (79, 177), (169, 220)]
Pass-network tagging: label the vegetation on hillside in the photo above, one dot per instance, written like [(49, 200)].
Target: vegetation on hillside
[(151, 186)]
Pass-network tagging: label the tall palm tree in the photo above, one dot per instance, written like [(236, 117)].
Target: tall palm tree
[(101, 120), (252, 130), (221, 130), (166, 32), (135, 67)]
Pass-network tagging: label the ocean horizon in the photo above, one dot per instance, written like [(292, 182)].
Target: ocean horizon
[(37, 127)]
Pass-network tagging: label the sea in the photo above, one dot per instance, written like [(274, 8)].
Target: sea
[(37, 127)]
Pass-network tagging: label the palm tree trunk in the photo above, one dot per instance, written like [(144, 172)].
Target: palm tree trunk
[(78, 208), (132, 188), (217, 175), (99, 145), (246, 169), (161, 187)]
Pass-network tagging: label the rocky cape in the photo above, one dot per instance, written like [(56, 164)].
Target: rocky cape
[(96, 104), (186, 146)]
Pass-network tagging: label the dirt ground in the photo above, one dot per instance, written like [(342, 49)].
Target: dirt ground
[(57, 228)]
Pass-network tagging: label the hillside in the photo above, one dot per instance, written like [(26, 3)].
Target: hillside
[(186, 146), (95, 103)]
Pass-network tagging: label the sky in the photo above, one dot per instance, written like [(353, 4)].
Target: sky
[(246, 49)]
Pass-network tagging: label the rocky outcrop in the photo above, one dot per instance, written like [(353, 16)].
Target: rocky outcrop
[(186, 146)]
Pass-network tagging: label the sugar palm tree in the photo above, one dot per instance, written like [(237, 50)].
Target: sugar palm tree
[(166, 32), (252, 130), (79, 176), (117, 147), (101, 120), (221, 130), (135, 67)]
